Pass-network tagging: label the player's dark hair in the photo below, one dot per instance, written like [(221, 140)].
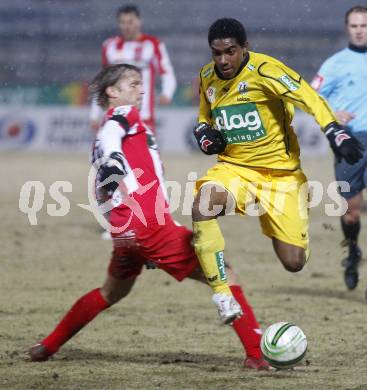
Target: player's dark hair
[(227, 28), (108, 77), (128, 9), (356, 8)]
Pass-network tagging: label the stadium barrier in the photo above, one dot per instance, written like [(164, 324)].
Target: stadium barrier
[(63, 128)]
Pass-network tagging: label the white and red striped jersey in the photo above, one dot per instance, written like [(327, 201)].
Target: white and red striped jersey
[(151, 56), (141, 197)]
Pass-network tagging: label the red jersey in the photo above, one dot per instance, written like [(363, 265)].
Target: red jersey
[(151, 57), (141, 197)]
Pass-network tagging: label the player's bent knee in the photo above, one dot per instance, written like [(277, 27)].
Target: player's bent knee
[(291, 256), (295, 263), (293, 267), (352, 217), (114, 290), (111, 297)]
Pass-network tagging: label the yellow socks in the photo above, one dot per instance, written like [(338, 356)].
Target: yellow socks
[(209, 247)]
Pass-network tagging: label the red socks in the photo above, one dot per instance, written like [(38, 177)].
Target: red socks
[(246, 327), (91, 304), (83, 311)]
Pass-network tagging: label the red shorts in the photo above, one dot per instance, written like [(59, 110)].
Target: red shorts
[(168, 246)]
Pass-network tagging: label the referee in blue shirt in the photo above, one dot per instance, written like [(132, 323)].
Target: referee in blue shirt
[(342, 80)]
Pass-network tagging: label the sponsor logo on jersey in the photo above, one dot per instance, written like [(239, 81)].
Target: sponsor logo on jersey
[(219, 256), (243, 99), (288, 82), (208, 72), (239, 123), (242, 87), (250, 67), (210, 93)]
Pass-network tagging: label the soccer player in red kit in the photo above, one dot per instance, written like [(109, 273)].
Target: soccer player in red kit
[(146, 52), (143, 229)]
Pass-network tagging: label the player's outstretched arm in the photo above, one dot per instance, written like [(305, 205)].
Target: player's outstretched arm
[(283, 82), (289, 86)]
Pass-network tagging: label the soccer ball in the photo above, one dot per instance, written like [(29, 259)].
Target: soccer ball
[(283, 345)]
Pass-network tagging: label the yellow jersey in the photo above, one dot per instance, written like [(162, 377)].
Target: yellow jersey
[(254, 111)]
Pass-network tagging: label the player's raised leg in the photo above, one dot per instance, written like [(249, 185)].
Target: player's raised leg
[(285, 218), (84, 310), (210, 202)]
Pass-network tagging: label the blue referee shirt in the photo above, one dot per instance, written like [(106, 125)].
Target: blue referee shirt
[(342, 80)]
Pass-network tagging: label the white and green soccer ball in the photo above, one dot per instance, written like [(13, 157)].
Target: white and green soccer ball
[(283, 345)]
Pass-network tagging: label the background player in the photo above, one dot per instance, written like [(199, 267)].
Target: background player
[(146, 52), (342, 80), (152, 235), (149, 55), (247, 104)]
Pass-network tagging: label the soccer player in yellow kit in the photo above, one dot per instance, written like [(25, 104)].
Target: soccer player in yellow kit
[(247, 104)]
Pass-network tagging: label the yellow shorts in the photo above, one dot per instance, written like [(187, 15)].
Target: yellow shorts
[(279, 198)]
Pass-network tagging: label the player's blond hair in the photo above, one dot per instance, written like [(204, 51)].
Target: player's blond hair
[(108, 77)]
